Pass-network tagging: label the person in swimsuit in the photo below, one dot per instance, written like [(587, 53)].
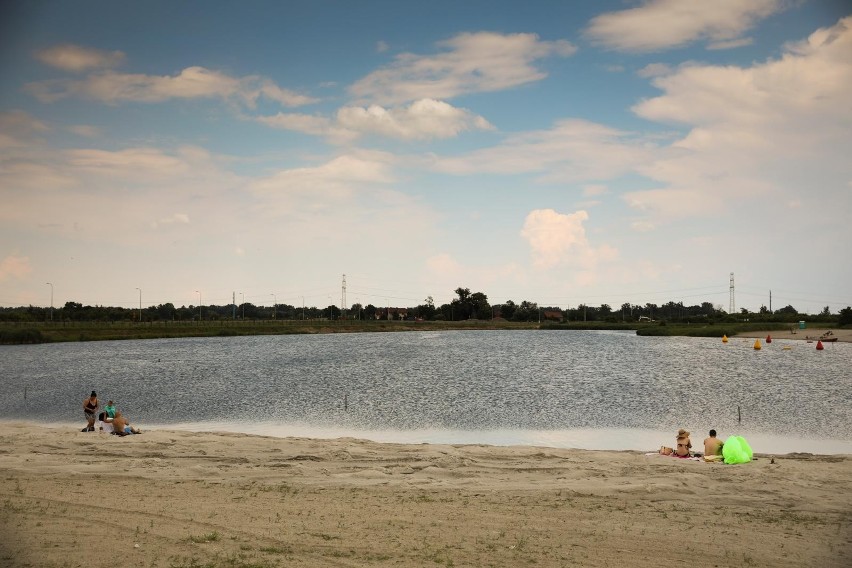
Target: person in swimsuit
[(90, 406), (683, 443)]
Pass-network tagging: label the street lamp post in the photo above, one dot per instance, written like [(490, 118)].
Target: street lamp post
[(140, 304), (274, 305), (51, 300), (199, 305), (243, 303)]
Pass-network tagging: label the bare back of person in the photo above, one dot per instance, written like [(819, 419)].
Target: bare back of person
[(712, 445)]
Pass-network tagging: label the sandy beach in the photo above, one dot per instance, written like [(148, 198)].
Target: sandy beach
[(844, 335), (185, 499)]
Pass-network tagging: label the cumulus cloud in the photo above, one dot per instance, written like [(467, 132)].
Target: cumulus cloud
[(191, 83), (470, 63), (559, 239), (76, 58), (14, 267), (664, 24), (775, 128), (425, 119)]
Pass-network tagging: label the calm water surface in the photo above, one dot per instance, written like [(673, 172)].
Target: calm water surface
[(598, 390)]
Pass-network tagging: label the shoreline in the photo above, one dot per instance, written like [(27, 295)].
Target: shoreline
[(170, 498), (808, 334)]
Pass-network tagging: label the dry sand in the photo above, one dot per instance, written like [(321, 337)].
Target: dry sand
[(184, 499), (844, 335)]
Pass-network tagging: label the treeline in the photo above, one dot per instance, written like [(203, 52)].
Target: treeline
[(465, 306)]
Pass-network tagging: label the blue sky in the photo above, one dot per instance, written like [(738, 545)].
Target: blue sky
[(557, 152)]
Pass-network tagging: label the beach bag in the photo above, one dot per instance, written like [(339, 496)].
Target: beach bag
[(736, 450)]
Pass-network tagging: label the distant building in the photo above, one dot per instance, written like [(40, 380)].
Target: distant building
[(553, 315)]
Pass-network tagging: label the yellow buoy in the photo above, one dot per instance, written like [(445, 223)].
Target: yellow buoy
[(757, 345), (786, 348), (724, 339)]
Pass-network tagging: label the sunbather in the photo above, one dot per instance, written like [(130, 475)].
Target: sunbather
[(683, 443), (712, 445), (122, 425)]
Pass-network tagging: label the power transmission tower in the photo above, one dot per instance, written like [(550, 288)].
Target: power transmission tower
[(732, 303), (343, 297)]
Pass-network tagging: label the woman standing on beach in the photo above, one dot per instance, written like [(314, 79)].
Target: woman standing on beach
[(90, 406)]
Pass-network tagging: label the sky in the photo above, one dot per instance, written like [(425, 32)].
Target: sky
[(563, 153)]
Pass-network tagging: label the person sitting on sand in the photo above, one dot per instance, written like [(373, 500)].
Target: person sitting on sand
[(683, 444), (122, 425), (109, 409), (712, 445)]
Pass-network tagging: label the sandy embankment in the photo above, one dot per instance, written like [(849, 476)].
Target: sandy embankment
[(844, 335), (183, 499)]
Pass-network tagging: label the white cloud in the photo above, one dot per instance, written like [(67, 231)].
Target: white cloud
[(382, 46), (421, 120), (775, 129), (472, 63), (75, 58), (664, 24), (558, 239), (573, 150), (191, 83), (14, 267)]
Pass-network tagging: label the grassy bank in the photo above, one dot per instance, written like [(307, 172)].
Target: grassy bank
[(47, 332), (104, 331)]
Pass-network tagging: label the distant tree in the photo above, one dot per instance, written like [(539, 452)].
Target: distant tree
[(427, 309), (370, 312), (507, 310), (480, 308), (826, 311), (787, 310), (845, 316)]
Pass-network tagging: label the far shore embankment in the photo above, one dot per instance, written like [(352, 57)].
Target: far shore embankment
[(54, 332)]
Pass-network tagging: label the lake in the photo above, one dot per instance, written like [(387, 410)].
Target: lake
[(583, 389)]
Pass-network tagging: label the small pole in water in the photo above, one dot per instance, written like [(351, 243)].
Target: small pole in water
[(25, 393), (345, 402), (739, 415)]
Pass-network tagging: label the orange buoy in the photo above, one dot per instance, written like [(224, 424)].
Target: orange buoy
[(757, 345), (768, 339), (819, 346), (724, 339)]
